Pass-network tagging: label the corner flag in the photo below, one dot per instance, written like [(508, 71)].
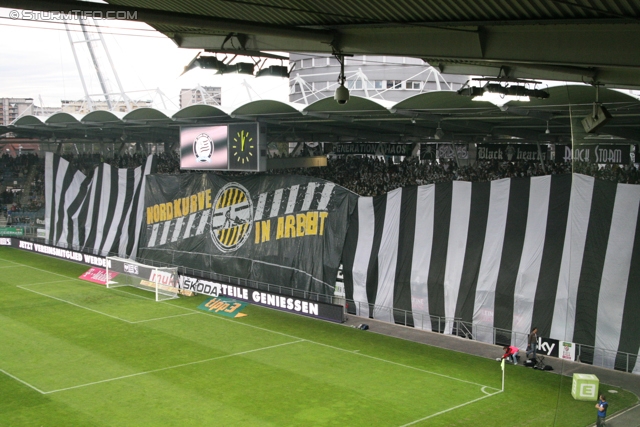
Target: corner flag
[(502, 364)]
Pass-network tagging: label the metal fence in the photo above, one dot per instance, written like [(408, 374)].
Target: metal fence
[(609, 359)]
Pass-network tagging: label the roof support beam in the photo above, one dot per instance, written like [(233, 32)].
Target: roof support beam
[(153, 16)]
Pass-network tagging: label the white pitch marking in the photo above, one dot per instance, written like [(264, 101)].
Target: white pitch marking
[(298, 338), (356, 352), (450, 409), (172, 367), (74, 304), (165, 317), (46, 271), (617, 414), (403, 365), (43, 283), (22, 381), (96, 311), (86, 282)]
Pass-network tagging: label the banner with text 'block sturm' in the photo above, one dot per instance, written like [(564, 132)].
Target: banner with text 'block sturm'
[(283, 230), (559, 252), (100, 213)]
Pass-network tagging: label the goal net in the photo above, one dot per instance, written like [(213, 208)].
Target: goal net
[(163, 281)]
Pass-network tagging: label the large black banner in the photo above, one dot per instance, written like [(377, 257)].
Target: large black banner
[(444, 151), (602, 153), (511, 152), (284, 230), (381, 149)]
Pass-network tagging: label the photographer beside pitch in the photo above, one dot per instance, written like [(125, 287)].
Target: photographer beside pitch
[(601, 406), (511, 353), (532, 347)]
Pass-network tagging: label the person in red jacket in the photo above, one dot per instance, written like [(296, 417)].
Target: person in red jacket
[(511, 353)]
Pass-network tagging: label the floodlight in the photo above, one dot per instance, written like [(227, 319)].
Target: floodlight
[(238, 68), (274, 71), (205, 62)]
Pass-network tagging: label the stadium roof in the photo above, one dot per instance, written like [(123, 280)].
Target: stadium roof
[(415, 119), (567, 40)]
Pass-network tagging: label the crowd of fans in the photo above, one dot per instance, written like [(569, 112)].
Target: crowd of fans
[(14, 172), (371, 176), (365, 176)]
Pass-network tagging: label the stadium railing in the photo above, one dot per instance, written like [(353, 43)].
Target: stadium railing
[(621, 361), (252, 284)]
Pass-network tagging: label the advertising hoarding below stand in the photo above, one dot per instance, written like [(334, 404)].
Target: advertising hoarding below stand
[(331, 312), (305, 307)]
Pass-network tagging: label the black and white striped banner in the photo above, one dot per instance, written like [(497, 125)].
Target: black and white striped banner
[(101, 214), (558, 252)]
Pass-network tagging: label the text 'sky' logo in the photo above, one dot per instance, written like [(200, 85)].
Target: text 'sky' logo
[(232, 217)]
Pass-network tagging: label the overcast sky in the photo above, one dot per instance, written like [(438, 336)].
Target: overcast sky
[(38, 62)]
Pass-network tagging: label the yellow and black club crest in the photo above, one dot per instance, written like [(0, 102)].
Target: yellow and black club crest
[(232, 217)]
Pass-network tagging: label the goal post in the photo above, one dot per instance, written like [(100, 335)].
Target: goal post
[(163, 281)]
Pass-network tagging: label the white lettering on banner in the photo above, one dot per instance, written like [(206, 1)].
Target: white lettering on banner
[(511, 153), (234, 291), (601, 155), (63, 253), (529, 155), (50, 250), (94, 260), (5, 241), (604, 155), (284, 302), (545, 346), (215, 289), (162, 277), (445, 151), (579, 154), (200, 286), (486, 154), (369, 148), (130, 268)]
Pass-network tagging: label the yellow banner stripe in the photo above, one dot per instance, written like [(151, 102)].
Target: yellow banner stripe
[(232, 238), (239, 234), (237, 195), (227, 197), (244, 228)]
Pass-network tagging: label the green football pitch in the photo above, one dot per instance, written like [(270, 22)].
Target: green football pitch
[(73, 353)]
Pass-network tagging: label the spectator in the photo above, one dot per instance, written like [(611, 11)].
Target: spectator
[(601, 406), (364, 175), (532, 346), (511, 353)]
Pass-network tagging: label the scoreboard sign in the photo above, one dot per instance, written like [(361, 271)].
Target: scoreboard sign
[(233, 147)]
